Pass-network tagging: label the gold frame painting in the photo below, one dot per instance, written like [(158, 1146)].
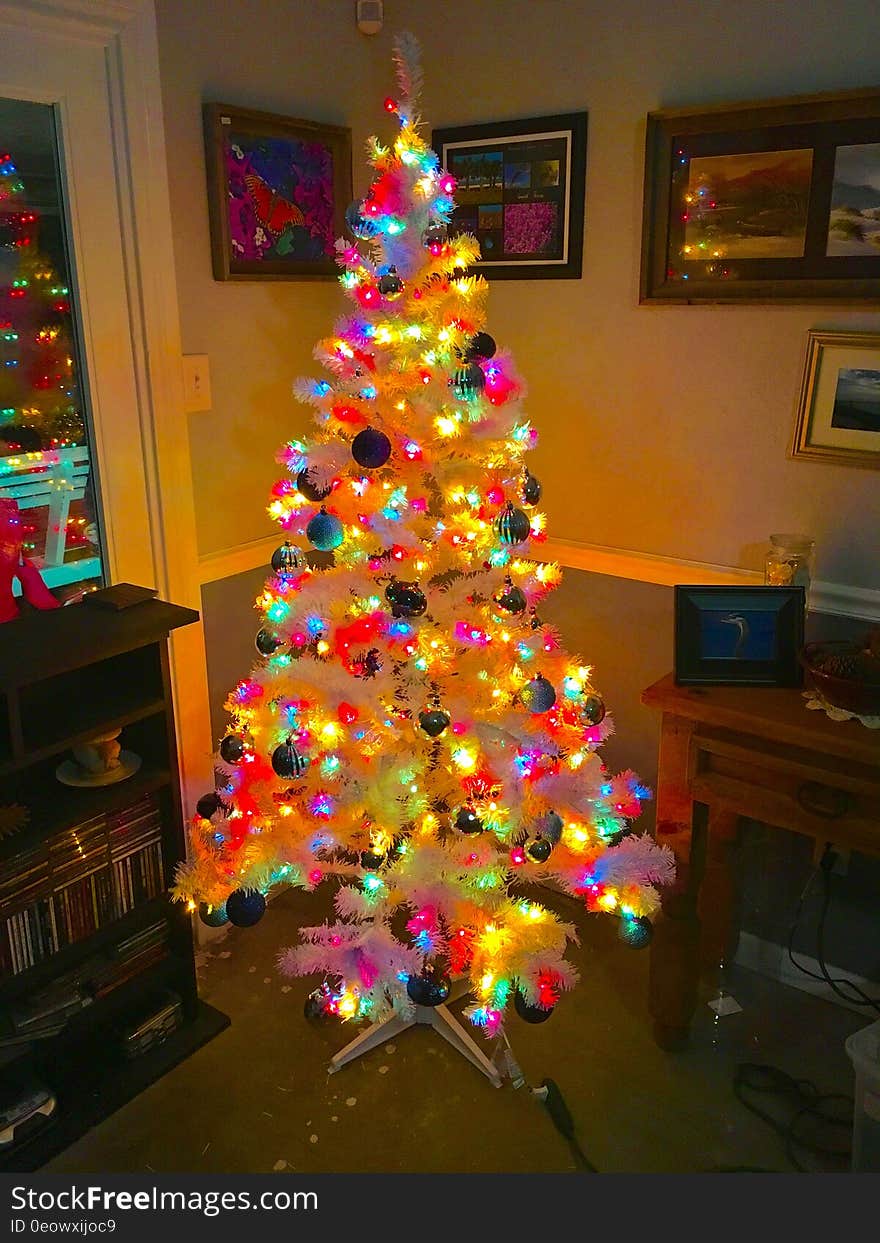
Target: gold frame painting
[(838, 411)]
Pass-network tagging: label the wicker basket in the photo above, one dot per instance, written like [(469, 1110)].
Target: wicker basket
[(858, 695)]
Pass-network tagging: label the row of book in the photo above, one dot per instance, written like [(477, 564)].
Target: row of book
[(46, 1012), (78, 881)]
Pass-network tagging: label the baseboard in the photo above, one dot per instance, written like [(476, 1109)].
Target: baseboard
[(768, 958)]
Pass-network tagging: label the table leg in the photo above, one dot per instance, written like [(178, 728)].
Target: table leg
[(719, 890)]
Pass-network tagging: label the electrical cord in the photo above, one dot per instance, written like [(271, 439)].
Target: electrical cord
[(836, 984), (811, 1107)]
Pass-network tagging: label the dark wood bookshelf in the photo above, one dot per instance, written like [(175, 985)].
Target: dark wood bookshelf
[(65, 677)]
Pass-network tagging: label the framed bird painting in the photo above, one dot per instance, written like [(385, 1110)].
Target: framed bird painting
[(738, 636), (277, 193)]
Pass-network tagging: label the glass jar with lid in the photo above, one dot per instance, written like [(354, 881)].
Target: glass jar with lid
[(789, 562)]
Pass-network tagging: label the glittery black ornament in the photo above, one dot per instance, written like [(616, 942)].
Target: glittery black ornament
[(429, 988), (539, 850), (434, 721), (550, 826), (538, 695), (208, 805), (358, 224), (530, 1013), (231, 749), (213, 916), (245, 907), (311, 491), (317, 1005), (512, 525), (480, 346), (531, 490), (592, 709), (287, 761), (511, 598), (468, 382), (371, 448), (636, 931), (467, 820), (435, 236), (325, 531), (406, 599), (266, 642), (391, 285), (286, 559)]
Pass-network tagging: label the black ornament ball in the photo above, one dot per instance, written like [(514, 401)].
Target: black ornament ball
[(311, 490), (371, 448), (468, 382), (231, 749), (406, 599), (433, 722), (467, 820), (592, 709), (480, 346), (511, 598), (286, 559), (213, 916), (371, 860), (316, 1005), (287, 761), (429, 988), (538, 695), (636, 931), (358, 224), (531, 490), (539, 850), (325, 531), (530, 1013), (391, 285), (434, 236), (551, 825), (208, 805), (245, 907), (512, 525), (266, 642)]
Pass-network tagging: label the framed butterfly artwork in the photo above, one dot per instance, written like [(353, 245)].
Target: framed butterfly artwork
[(277, 193)]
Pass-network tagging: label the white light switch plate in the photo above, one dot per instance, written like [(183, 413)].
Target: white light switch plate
[(196, 383)]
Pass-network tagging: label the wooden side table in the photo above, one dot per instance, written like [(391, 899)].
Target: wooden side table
[(727, 752)]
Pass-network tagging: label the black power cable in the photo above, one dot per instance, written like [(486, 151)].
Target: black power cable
[(857, 997)]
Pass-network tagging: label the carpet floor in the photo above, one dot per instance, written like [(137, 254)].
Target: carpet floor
[(258, 1098)]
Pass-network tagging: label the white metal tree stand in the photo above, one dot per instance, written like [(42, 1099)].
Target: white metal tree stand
[(439, 1018)]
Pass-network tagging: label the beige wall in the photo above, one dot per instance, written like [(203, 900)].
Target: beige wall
[(664, 429)]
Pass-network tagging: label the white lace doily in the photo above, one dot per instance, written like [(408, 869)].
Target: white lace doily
[(818, 704)]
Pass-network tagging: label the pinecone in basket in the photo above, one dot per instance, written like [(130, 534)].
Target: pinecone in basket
[(840, 664)]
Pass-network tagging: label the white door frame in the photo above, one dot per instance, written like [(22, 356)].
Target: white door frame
[(156, 427)]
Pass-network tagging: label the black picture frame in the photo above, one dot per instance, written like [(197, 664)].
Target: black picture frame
[(534, 172), (306, 155), (738, 636), (789, 217)]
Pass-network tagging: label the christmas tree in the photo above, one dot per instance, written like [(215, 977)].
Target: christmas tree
[(413, 731), (38, 409)]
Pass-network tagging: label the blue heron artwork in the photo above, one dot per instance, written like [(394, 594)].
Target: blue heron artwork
[(738, 634)]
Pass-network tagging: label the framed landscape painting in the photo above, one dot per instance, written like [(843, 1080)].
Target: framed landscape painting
[(520, 191), (838, 414), (277, 193), (764, 202)]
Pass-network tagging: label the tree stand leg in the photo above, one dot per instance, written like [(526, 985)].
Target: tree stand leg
[(444, 1024)]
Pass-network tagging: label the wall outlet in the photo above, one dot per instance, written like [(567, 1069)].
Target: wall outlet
[(196, 383)]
